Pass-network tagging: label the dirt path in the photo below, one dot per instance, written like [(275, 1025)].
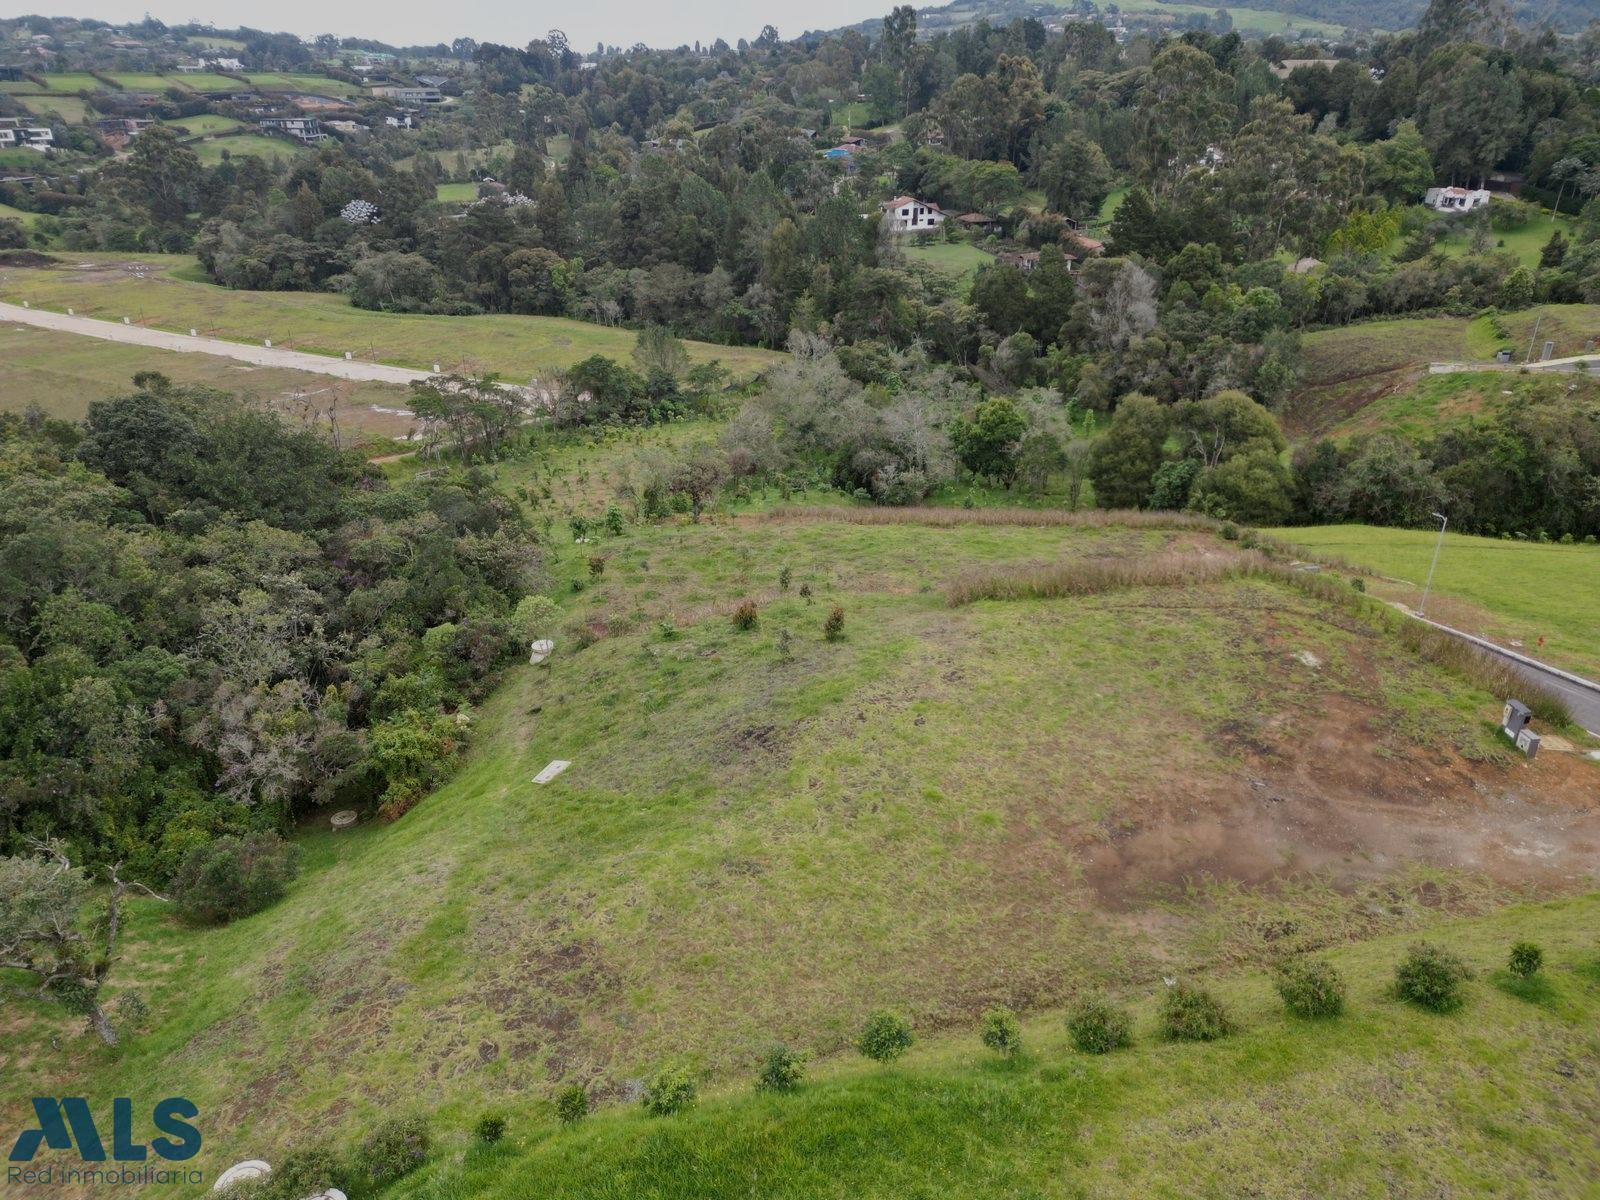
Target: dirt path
[(159, 339)]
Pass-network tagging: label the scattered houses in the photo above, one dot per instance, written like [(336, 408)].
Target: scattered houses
[(979, 222)]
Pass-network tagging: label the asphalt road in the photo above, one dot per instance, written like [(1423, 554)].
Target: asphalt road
[(160, 339), (1582, 697), (1584, 702)]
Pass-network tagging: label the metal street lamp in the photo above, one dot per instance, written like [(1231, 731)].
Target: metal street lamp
[(1443, 520)]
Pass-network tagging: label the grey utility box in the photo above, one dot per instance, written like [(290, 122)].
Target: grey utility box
[(1502, 356), (1514, 718), (1528, 742)]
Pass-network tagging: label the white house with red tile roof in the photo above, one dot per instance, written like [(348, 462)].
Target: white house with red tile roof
[(907, 214)]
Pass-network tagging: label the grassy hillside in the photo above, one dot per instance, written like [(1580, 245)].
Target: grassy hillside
[(1376, 1103), (163, 292), (62, 374), (1348, 368), (1437, 402), (953, 258), (947, 808), (1506, 590)]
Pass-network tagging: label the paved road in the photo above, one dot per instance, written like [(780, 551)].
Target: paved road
[(261, 356), (1582, 696)]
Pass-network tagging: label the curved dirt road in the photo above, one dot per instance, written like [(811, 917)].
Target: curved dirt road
[(160, 339)]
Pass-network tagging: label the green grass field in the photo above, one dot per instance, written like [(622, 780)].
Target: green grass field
[(320, 85), (456, 193), (145, 81), (18, 214), (1526, 243), (62, 374), (947, 808), (515, 346), (1245, 20), (953, 258), (71, 109), (211, 151), (72, 81), (206, 124), (1385, 1101), (200, 82), (1505, 590)]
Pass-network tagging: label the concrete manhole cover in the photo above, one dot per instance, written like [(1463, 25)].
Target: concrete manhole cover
[(343, 819)]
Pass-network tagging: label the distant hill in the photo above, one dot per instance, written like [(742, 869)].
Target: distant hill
[(1567, 16)]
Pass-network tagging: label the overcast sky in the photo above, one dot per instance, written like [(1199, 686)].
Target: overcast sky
[(616, 22)]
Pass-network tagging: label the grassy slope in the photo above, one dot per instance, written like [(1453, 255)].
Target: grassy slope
[(1436, 402), (746, 849), (1374, 1104), (1507, 590), (1245, 20), (517, 346), (211, 150), (1351, 367), (954, 258), (63, 374)]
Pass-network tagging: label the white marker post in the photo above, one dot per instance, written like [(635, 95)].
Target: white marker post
[(550, 772)]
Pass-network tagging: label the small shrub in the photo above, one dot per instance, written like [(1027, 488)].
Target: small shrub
[(580, 529), (1002, 1032), (489, 1128), (1526, 960), (746, 617), (304, 1171), (597, 565), (234, 877), (885, 1037), (394, 1149), (833, 627), (614, 521), (1310, 988), (784, 576), (805, 592), (1192, 1014), (572, 1104), (1098, 1026), (1431, 977), (781, 1069), (1359, 584), (673, 1090), (1230, 531), (785, 646), (667, 630)]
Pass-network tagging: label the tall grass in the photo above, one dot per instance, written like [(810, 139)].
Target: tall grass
[(1034, 517), (1090, 576), (1179, 568)]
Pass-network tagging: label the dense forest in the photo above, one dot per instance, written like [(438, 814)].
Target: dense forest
[(209, 620)]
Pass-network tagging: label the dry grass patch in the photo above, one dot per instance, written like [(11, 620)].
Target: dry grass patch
[(1091, 576), (1035, 517)]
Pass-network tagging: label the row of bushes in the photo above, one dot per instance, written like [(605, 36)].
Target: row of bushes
[(1429, 976)]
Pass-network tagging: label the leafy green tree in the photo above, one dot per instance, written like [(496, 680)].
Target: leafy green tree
[(987, 440), (1076, 176), (1125, 457)]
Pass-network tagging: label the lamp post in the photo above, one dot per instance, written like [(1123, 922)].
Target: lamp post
[(1443, 520)]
